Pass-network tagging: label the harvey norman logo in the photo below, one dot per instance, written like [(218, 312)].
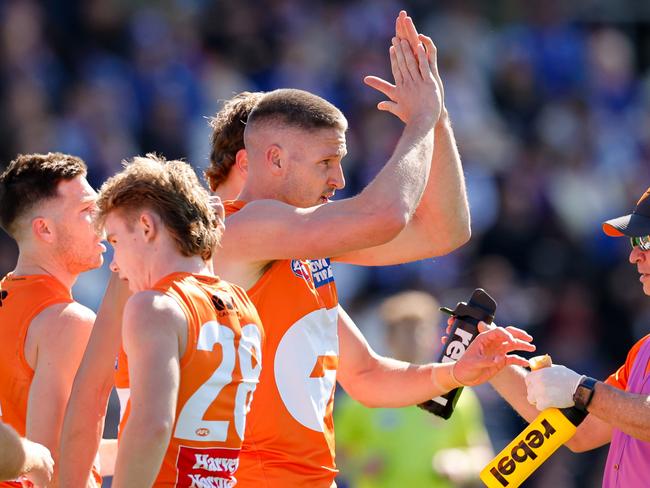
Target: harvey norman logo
[(207, 467)]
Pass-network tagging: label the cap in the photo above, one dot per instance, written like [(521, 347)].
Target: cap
[(636, 224)]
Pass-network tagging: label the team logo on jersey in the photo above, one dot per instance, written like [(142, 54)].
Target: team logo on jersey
[(300, 269), (223, 302), (3, 295), (206, 467), (321, 271), (305, 367)]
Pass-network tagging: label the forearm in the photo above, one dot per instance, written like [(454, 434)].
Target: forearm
[(625, 411), (402, 384), (13, 459), (399, 186), (510, 384), (443, 212), (82, 431), (140, 454), (84, 421)]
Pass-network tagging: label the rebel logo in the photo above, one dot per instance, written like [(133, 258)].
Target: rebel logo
[(528, 448), (3, 295), (454, 349)]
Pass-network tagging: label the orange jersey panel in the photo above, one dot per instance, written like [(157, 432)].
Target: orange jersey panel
[(289, 437), (620, 377), (219, 373), (21, 299)]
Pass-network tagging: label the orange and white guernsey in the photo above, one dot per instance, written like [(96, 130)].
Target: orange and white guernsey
[(22, 298), (220, 370), (289, 440)]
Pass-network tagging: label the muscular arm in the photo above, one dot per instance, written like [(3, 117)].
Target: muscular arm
[(593, 432), (84, 419), (154, 373), (441, 222), (373, 217), (55, 344), (361, 369)]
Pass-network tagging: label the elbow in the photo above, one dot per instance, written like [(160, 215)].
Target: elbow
[(577, 445), (152, 431), (388, 223), (461, 234)]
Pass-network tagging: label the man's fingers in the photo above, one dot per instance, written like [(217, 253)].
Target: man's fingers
[(519, 333), (411, 32), (514, 360), (399, 25), (411, 64), (394, 64), (401, 65), (423, 64), (380, 85), (484, 326), (387, 106)]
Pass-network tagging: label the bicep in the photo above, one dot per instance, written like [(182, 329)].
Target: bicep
[(153, 359), (61, 345), (296, 233), (355, 354)]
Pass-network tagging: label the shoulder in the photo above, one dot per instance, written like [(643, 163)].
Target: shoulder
[(63, 320), (151, 310)]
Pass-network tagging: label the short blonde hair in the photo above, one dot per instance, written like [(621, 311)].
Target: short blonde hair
[(172, 190)]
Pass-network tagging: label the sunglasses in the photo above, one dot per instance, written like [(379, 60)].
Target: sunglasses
[(643, 242)]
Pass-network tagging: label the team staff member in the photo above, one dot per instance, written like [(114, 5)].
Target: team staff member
[(619, 407), (22, 457), (193, 341), (47, 206)]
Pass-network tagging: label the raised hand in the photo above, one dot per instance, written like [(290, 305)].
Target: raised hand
[(489, 353), (405, 29), (415, 94)]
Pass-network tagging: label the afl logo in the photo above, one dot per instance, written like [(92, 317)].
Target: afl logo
[(301, 269), (202, 432)]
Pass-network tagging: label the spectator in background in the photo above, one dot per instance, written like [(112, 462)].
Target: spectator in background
[(388, 447)]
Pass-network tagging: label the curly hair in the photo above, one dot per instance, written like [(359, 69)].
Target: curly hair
[(228, 135), (31, 178), (172, 190)]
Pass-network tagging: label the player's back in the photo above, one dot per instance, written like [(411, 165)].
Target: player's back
[(22, 298), (219, 372), (289, 437)]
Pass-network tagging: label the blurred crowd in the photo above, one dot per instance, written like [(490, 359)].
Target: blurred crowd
[(549, 103)]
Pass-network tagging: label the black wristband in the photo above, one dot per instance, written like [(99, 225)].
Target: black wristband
[(584, 393)]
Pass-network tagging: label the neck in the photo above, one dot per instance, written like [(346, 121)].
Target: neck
[(166, 263), (31, 263)]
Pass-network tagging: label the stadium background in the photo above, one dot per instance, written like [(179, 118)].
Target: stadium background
[(549, 104)]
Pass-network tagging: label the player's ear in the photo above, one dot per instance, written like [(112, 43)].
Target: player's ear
[(241, 162), (43, 229), (275, 160), (148, 225)]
